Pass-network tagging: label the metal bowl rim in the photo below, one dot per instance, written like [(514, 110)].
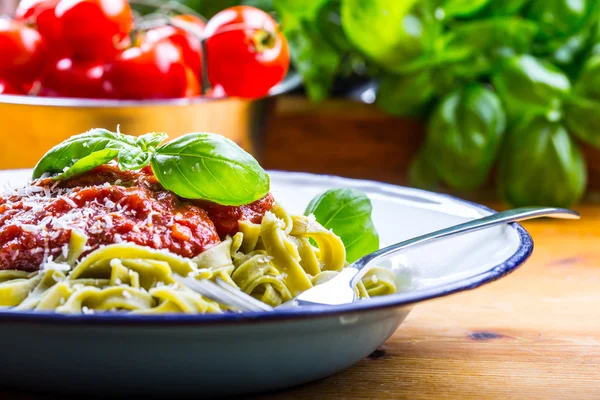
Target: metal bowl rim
[(291, 82)]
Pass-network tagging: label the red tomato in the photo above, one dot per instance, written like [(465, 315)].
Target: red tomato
[(246, 53), (7, 88), (150, 71), (69, 78), (189, 43), (94, 28), (21, 52), (193, 84), (41, 13)]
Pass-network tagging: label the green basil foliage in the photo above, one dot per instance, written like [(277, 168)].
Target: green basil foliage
[(540, 57), (541, 165), (560, 18), (582, 117), (196, 166), (406, 95), (347, 212), (463, 8), (390, 33), (79, 152), (463, 136), (527, 84), (88, 163), (210, 167)]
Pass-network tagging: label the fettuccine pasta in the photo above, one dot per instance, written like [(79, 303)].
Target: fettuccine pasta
[(272, 261)]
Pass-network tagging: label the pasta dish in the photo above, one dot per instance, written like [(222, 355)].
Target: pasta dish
[(98, 233)]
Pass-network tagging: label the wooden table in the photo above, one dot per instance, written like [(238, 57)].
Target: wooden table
[(535, 334)]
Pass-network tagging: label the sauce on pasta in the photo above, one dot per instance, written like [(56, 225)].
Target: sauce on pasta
[(110, 206)]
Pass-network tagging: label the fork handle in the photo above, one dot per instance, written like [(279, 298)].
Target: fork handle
[(362, 265)]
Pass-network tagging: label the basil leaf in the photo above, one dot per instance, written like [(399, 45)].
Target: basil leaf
[(463, 8), (130, 154), (588, 82), (560, 18), (504, 7), (150, 141), (406, 95), (527, 83), (299, 8), (209, 167), (79, 146), (88, 163), (393, 33), (314, 57), (582, 117), (422, 174), (347, 212), (541, 165), (463, 136)]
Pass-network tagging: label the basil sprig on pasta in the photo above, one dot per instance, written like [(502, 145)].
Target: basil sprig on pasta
[(202, 166), (347, 212)]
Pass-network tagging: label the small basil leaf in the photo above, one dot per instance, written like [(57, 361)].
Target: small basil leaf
[(210, 167), (314, 57), (150, 141), (527, 83), (422, 174), (582, 117), (541, 165), (392, 33), (132, 158), (503, 7), (491, 38), (62, 155), (463, 8), (406, 95), (301, 9), (347, 212), (560, 18), (588, 82), (463, 136), (88, 163)]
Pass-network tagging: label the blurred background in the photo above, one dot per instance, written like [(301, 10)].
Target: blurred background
[(488, 99)]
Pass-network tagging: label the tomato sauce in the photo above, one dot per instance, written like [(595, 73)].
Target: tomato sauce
[(110, 206)]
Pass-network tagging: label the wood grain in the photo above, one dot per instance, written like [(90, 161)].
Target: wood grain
[(535, 334)]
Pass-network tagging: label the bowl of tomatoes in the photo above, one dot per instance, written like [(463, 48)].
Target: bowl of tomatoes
[(68, 66)]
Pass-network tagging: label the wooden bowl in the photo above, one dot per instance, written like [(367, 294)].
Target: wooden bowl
[(32, 125)]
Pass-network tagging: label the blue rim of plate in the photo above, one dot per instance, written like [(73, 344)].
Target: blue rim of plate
[(390, 301)]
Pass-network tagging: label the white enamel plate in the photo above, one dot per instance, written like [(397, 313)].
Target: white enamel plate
[(242, 353)]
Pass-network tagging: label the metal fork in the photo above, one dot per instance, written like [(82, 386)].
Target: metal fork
[(223, 293), (340, 289)]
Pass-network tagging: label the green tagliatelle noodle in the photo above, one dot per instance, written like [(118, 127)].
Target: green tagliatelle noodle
[(272, 261)]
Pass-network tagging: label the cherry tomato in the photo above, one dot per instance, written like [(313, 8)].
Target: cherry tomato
[(21, 52), (192, 83), (7, 88), (246, 53), (189, 43), (150, 71), (41, 13), (93, 29), (70, 78)]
